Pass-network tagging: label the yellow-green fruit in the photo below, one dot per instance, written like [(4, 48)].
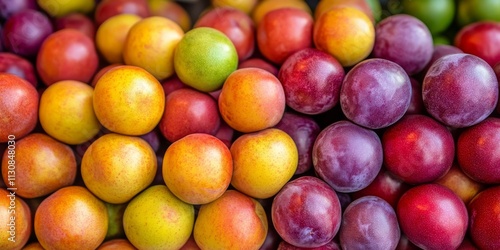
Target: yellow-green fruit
[(204, 58), (117, 167), (150, 44), (156, 219), (66, 112), (129, 100), (59, 8), (263, 162)]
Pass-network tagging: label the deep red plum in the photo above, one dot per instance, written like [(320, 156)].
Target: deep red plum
[(347, 157), (369, 223), (306, 212), (480, 39), (460, 90), (432, 217), (375, 93), (416, 104), (484, 224), (478, 151), (259, 63), (16, 65), (418, 149), (311, 79), (405, 40)]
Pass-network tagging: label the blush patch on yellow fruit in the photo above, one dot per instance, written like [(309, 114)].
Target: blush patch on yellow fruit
[(171, 10), (150, 44), (263, 162), (198, 168), (117, 167), (252, 99), (233, 221), (128, 100), (346, 33), (111, 35), (66, 112), (14, 234), (157, 219), (71, 218), (42, 166)]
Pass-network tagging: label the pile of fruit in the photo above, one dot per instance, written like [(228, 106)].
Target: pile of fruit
[(247, 124)]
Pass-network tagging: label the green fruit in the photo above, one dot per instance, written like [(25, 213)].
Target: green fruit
[(470, 11), (156, 219), (437, 15), (204, 58), (376, 9)]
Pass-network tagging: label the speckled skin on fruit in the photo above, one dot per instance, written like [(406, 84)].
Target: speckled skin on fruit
[(346, 33), (111, 35), (71, 218), (43, 165), (156, 219), (263, 162), (233, 221), (129, 100), (198, 168), (23, 221), (116, 167), (67, 113), (150, 44), (252, 99)]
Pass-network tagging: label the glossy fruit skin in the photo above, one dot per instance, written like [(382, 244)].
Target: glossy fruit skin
[(306, 212), (346, 33), (311, 80), (477, 151), (16, 65), (264, 7), (369, 222), (303, 130), (460, 90), (480, 39), (171, 10), (23, 223), (325, 5), (18, 106), (432, 217), (197, 168), (375, 93), (189, 111), (252, 99), (76, 21), (204, 58), (259, 63), (70, 218), (418, 149), (460, 183), (283, 32), (235, 24), (36, 157), (484, 219), (470, 11), (234, 220), (336, 157), (129, 100), (9, 8), (405, 40), (57, 8), (24, 32), (67, 55)]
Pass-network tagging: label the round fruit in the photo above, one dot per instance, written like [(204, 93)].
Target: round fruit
[(252, 99), (67, 112), (484, 218), (346, 33), (129, 100), (150, 44), (15, 233), (111, 161), (436, 15), (204, 58), (197, 168), (57, 8)]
